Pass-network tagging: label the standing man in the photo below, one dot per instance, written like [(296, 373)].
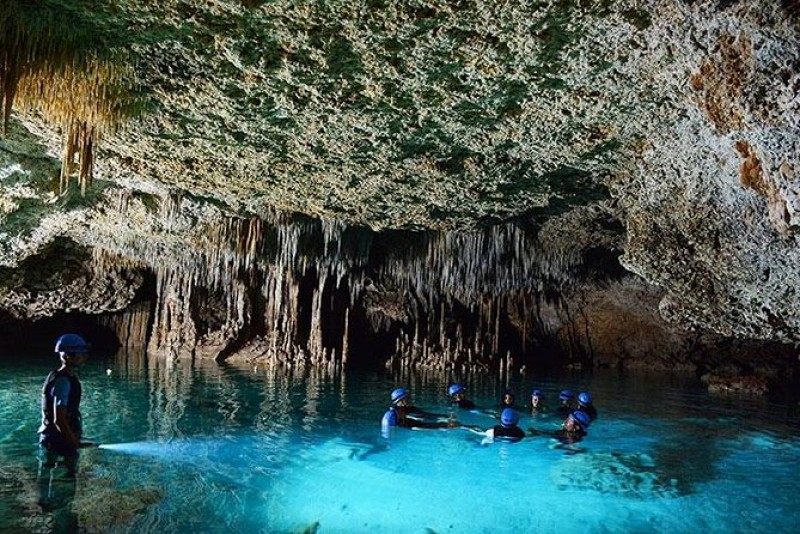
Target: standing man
[(61, 429)]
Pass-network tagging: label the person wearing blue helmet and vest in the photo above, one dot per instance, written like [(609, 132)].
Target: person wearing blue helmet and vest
[(62, 427), (507, 430), (585, 405), (565, 399), (574, 428), (458, 397), (404, 414)]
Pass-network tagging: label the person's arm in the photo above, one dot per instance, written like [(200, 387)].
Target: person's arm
[(417, 415), (62, 423)]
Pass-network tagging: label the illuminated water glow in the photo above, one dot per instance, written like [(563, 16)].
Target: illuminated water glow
[(283, 453)]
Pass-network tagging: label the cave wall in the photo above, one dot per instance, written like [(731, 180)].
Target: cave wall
[(711, 202)]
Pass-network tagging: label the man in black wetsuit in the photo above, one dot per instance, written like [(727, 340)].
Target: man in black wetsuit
[(61, 428), (565, 399), (507, 430), (404, 414)]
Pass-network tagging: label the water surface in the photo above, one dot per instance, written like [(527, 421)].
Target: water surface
[(224, 449)]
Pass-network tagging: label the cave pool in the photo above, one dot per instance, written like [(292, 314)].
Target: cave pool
[(208, 448)]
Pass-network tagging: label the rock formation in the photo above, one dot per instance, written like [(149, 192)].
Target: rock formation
[(481, 184)]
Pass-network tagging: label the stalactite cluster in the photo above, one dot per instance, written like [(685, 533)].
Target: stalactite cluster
[(316, 292), (51, 65)]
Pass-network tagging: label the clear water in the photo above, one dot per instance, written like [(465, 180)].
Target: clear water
[(222, 449)]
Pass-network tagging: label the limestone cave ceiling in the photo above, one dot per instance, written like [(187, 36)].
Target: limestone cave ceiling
[(409, 114), (680, 117)]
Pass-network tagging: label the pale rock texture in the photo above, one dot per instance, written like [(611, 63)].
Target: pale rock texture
[(663, 133)]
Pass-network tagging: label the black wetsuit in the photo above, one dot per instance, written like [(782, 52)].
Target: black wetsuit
[(413, 417), (508, 433), (540, 409), (50, 436), (590, 410)]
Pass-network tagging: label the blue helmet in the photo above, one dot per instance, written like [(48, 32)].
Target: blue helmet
[(537, 393), (585, 399), (566, 395), (72, 343), (582, 418), (509, 417), (399, 394), (455, 388)]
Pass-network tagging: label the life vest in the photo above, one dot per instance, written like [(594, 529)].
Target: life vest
[(73, 403), (508, 433)]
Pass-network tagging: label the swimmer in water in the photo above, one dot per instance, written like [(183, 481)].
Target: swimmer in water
[(585, 405), (404, 414), (574, 428), (458, 397), (538, 404), (565, 399), (507, 430)]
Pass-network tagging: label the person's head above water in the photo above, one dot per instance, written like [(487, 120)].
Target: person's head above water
[(456, 389), (578, 420), (509, 417), (72, 348), (566, 396), (584, 399), (537, 397), (399, 395), (508, 398)]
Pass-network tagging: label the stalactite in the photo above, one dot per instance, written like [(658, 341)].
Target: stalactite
[(457, 292), (68, 77), (346, 339)]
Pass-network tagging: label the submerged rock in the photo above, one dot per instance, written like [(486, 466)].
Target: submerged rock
[(634, 475), (108, 508), (743, 385)]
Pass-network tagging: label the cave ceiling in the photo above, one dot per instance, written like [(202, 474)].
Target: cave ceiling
[(420, 114), (679, 117)]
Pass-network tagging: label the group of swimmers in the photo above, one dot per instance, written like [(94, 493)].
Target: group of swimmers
[(578, 413)]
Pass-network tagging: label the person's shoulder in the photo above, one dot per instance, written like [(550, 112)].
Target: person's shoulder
[(62, 383)]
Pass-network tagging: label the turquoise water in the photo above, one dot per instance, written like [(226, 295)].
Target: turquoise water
[(223, 449)]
